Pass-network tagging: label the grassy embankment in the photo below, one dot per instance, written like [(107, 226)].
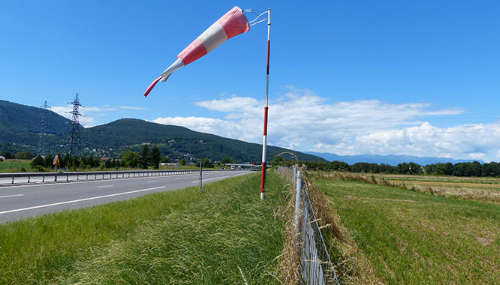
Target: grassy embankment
[(225, 235), (397, 236)]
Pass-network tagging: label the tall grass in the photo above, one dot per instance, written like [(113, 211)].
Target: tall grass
[(451, 191), (225, 235), (14, 165), (397, 236)]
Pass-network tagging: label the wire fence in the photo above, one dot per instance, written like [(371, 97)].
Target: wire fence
[(316, 266)]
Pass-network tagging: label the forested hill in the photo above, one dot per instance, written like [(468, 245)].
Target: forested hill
[(20, 128), (175, 141), (21, 125)]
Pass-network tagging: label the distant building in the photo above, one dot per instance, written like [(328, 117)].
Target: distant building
[(168, 163)]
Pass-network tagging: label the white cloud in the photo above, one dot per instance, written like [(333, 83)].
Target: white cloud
[(477, 155), (205, 125), (90, 114), (471, 141), (302, 120)]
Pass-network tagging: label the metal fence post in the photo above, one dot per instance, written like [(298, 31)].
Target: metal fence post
[(297, 204)]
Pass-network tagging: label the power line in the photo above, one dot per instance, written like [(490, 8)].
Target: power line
[(74, 141), (43, 131)]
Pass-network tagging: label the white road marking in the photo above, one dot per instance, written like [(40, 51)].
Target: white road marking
[(105, 186), (18, 195), (222, 177), (79, 200), (151, 181)]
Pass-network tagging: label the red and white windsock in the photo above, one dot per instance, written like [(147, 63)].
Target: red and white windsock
[(231, 24)]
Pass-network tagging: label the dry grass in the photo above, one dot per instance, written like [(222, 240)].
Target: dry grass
[(289, 269), (351, 264), (396, 236), (457, 190)]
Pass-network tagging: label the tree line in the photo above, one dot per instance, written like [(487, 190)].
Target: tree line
[(462, 169), (146, 158)]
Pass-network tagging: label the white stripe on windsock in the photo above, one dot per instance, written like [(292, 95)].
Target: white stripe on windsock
[(213, 37), (175, 66)]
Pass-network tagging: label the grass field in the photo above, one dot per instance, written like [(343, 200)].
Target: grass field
[(225, 235), (465, 188), (397, 236), (14, 165)]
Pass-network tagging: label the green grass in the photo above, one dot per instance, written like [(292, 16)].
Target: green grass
[(224, 235), (14, 165), (416, 238)]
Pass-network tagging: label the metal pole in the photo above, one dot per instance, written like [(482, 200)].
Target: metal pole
[(201, 176), (297, 210), (266, 108)]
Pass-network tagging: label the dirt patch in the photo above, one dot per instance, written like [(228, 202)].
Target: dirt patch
[(379, 199), (485, 241)]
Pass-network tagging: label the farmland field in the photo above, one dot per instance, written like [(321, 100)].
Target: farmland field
[(398, 236)]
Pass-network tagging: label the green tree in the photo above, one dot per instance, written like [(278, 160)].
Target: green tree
[(48, 161), (131, 158), (183, 162), (165, 159), (24, 155), (277, 160), (144, 157), (226, 160), (7, 154), (37, 161), (206, 163), (155, 157)]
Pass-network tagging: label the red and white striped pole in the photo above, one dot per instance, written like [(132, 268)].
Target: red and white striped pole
[(266, 109)]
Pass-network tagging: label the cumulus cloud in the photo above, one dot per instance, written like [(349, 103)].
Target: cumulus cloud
[(472, 141), (302, 120), (85, 120), (90, 114)]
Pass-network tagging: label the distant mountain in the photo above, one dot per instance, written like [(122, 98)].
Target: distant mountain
[(387, 159), (175, 141), (20, 127)]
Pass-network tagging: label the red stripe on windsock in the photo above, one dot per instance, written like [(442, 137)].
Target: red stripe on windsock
[(192, 52), (151, 86), (234, 22)]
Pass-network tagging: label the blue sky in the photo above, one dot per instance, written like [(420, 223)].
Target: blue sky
[(348, 77)]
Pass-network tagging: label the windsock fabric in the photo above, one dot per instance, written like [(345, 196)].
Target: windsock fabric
[(231, 24)]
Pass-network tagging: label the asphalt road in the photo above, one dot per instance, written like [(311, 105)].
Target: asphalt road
[(27, 200)]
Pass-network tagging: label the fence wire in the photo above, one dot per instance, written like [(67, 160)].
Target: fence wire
[(315, 261)]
